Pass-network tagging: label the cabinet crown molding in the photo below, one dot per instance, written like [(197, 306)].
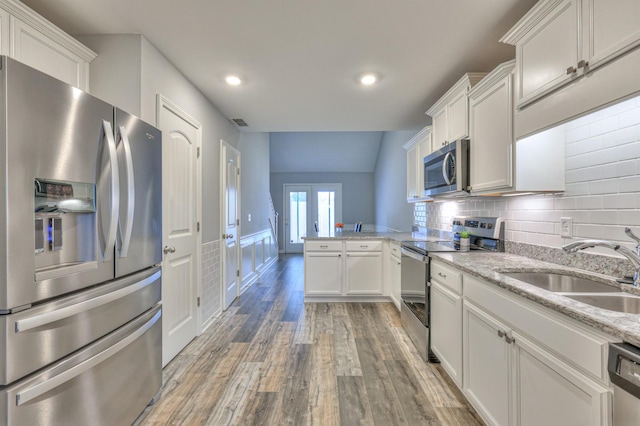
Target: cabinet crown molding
[(33, 19), (500, 72), (529, 20), (468, 80), (417, 137)]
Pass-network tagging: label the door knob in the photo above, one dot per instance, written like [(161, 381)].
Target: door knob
[(169, 249), (227, 236)]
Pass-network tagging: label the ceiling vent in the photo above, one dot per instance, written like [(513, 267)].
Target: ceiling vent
[(240, 122)]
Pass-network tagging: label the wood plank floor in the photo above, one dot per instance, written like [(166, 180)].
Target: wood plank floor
[(271, 359)]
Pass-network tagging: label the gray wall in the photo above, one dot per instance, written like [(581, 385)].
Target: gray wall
[(390, 181), (357, 193), (254, 172), (130, 72)]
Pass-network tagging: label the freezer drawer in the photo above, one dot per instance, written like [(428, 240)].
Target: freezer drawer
[(36, 337), (110, 382)]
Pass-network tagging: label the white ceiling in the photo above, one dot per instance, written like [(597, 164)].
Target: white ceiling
[(301, 58)]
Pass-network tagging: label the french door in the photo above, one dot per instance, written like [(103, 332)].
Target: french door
[(307, 207)]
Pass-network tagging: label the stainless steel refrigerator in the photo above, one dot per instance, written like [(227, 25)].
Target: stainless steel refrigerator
[(80, 253)]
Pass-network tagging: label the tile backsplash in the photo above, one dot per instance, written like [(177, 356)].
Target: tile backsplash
[(602, 191)]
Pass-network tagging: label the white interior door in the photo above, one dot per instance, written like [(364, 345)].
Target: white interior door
[(309, 207), (230, 170), (181, 136)]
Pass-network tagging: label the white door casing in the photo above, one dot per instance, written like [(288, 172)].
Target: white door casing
[(230, 225), (181, 216)]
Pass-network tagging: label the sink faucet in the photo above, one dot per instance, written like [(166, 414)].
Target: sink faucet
[(634, 257)]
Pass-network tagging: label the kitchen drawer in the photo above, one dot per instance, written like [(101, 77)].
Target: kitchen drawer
[(578, 346), (114, 377), (323, 245), (364, 245), (394, 248), (72, 322), (446, 276)]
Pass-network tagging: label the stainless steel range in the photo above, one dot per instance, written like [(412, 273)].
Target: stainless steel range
[(486, 234)]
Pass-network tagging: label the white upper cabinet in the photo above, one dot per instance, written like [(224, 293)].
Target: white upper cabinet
[(32, 40), (417, 148), (610, 28), (450, 115), (559, 41), (491, 131)]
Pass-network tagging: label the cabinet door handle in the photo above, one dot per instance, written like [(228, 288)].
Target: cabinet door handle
[(571, 70), (501, 334), (583, 64), (509, 340), (440, 274), (339, 255)]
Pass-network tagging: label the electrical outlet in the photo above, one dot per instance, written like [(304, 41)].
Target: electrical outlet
[(249, 217), (566, 227)]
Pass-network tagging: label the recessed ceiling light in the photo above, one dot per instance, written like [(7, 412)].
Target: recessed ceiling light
[(233, 80), (368, 79)]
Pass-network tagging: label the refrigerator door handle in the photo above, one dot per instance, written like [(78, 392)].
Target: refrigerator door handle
[(40, 389), (125, 237), (114, 203), (36, 321)]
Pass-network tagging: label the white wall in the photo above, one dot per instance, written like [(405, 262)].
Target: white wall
[(602, 187), (390, 181), (116, 71), (254, 149)]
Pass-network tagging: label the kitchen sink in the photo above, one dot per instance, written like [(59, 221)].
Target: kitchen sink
[(560, 283), (612, 302)]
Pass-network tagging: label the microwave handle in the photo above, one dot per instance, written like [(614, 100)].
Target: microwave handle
[(448, 179)]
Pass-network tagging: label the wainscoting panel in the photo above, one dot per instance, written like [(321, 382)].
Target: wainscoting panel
[(258, 252)]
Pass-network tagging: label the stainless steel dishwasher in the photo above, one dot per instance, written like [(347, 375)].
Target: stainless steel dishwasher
[(624, 371)]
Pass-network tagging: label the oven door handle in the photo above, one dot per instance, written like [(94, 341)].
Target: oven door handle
[(413, 255)]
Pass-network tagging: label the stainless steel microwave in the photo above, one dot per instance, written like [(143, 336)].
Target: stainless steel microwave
[(446, 171)]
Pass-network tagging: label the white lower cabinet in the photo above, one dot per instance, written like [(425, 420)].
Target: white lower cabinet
[(547, 391), (446, 329), (512, 380), (344, 268), (487, 365), (323, 273), (518, 363), (364, 273)]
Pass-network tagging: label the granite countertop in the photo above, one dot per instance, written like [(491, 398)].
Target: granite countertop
[(390, 236), (491, 266)]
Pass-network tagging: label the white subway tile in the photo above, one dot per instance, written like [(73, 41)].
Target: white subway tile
[(553, 215), (588, 174), (577, 189), (628, 217), (578, 216), (631, 117), (619, 201), (553, 241), (602, 126), (630, 184), (620, 137), (620, 169), (588, 231), (577, 134), (537, 239), (603, 217), (607, 186), (565, 203)]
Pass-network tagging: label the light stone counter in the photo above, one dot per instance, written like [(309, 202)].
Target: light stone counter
[(389, 236), (489, 267)]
